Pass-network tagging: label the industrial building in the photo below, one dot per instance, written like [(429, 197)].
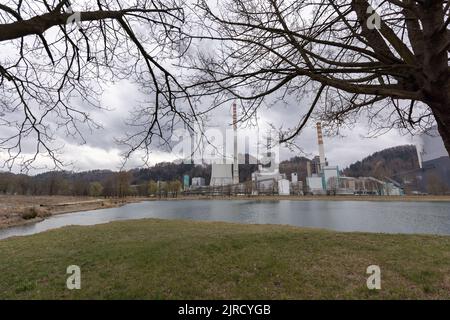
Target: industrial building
[(221, 174), (224, 174), (268, 179), (324, 179), (363, 186), (321, 178), (198, 182), (433, 174), (434, 162)]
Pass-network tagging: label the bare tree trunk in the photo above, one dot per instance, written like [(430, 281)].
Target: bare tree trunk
[(443, 122), (436, 79)]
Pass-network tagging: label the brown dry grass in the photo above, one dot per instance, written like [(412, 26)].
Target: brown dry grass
[(18, 210), (13, 207)]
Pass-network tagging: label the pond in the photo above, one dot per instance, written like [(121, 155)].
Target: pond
[(360, 216)]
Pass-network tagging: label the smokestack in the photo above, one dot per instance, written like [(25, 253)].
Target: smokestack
[(321, 147), (236, 160)]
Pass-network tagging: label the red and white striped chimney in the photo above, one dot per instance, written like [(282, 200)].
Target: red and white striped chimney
[(321, 147)]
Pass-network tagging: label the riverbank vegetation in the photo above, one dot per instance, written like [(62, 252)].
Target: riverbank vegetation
[(18, 209), (164, 180), (157, 259)]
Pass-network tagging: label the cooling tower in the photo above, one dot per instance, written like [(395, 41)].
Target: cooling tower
[(221, 174)]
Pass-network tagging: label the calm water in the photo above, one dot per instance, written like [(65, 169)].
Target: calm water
[(385, 217)]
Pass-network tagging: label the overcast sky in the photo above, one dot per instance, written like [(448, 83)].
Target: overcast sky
[(101, 152)]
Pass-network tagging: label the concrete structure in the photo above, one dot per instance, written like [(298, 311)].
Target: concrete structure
[(364, 186), (393, 188), (297, 188), (322, 179), (345, 185), (235, 151), (315, 165), (325, 179), (315, 185), (433, 174), (221, 174), (294, 177), (265, 180), (431, 145), (198, 182), (321, 146), (284, 187), (308, 169), (327, 174)]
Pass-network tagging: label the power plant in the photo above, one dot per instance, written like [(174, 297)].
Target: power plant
[(435, 162), (433, 174), (224, 174), (235, 149), (327, 180), (221, 174), (268, 179), (319, 182), (321, 178)]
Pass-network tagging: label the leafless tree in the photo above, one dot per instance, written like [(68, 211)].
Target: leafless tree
[(56, 56), (384, 59)]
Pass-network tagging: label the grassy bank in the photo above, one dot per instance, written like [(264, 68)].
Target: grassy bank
[(156, 259)]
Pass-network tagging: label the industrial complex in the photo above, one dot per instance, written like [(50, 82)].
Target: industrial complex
[(433, 174), (321, 178)]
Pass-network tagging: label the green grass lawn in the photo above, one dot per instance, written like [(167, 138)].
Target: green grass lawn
[(157, 259)]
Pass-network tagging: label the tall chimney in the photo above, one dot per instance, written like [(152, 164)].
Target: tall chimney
[(236, 160), (321, 147)]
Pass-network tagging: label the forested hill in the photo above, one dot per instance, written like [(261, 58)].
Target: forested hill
[(108, 183), (385, 163)]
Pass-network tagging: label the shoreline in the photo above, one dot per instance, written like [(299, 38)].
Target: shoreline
[(11, 216), (12, 209), (311, 198)]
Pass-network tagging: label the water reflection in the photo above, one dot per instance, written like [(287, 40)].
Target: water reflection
[(385, 217)]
